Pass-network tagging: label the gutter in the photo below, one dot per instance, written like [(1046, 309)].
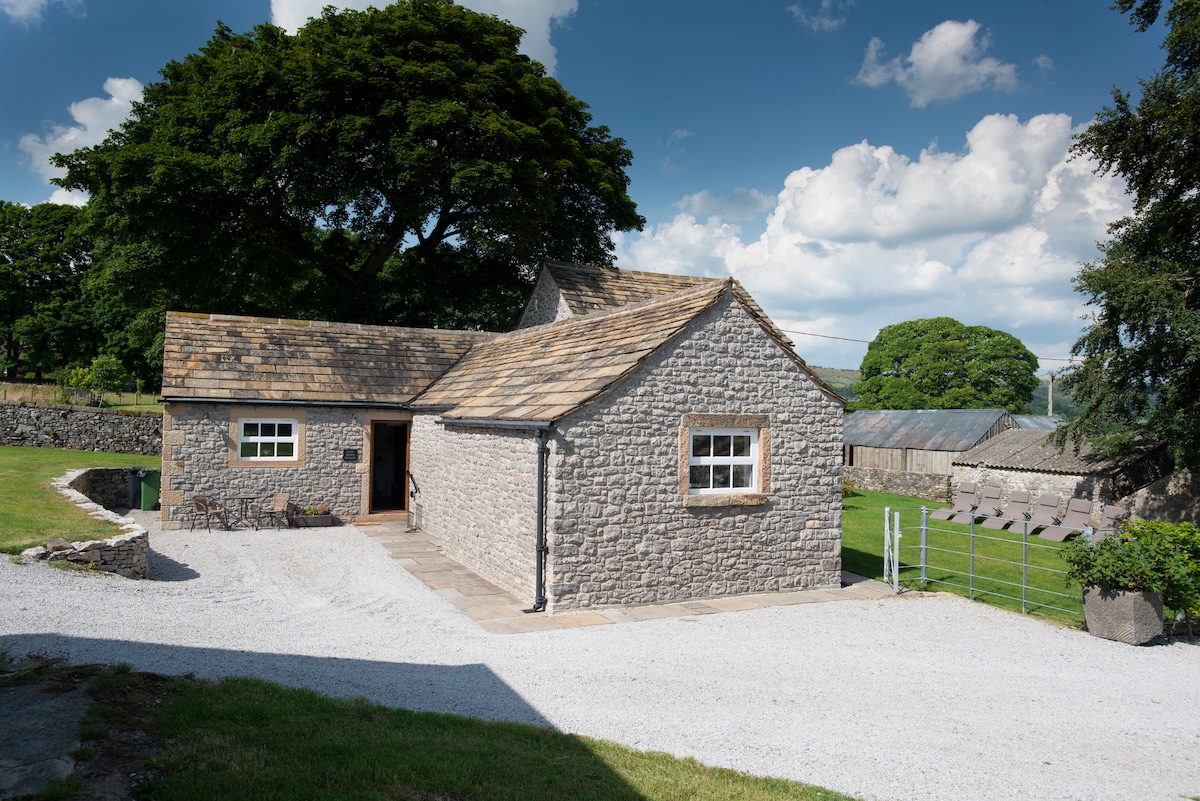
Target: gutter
[(257, 402), (541, 549)]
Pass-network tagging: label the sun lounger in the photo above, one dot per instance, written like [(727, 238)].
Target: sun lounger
[(965, 500), (1016, 511), (989, 504), (1079, 513), (1045, 511), (1110, 519)]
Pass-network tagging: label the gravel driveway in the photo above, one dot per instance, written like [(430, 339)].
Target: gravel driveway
[(908, 698)]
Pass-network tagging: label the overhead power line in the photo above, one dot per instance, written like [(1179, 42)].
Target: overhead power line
[(868, 342)]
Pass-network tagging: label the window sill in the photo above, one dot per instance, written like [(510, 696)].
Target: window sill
[(725, 499)]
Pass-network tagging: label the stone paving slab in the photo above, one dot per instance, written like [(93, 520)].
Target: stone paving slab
[(497, 611)]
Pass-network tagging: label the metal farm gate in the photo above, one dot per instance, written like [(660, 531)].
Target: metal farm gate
[(977, 561)]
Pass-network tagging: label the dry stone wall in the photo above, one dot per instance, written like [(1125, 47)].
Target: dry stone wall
[(621, 531), (931, 486), (80, 428), (126, 554)]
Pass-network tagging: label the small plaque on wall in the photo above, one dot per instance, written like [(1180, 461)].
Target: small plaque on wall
[(350, 454)]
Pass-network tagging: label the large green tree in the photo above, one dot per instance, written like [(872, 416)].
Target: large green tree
[(404, 165), (45, 322), (939, 363), (1140, 372)]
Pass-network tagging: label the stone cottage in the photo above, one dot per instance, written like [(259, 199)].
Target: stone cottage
[(641, 438)]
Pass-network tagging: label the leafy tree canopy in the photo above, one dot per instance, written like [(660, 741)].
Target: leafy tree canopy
[(939, 363), (44, 320), (404, 165), (1140, 372)]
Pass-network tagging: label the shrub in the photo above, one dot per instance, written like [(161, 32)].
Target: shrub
[(1143, 555), (848, 487)]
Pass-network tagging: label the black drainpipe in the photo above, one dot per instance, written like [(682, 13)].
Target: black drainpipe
[(539, 600)]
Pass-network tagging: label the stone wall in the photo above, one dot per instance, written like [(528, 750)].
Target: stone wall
[(199, 457), (80, 428), (931, 486), (476, 489), (1174, 499), (107, 486), (126, 554), (545, 305), (621, 531)]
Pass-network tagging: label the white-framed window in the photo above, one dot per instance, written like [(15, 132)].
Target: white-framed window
[(267, 438), (722, 460)]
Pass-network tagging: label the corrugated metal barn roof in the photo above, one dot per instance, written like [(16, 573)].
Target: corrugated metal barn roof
[(1037, 422), (1034, 450), (921, 429)]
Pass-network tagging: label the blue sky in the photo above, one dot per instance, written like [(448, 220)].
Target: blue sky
[(854, 164)]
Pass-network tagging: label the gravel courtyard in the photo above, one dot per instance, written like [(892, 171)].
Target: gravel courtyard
[(912, 697)]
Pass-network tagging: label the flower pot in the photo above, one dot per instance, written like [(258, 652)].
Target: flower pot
[(304, 521), (1126, 616)]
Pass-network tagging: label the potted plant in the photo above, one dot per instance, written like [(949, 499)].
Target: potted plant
[(1128, 576), (312, 515)]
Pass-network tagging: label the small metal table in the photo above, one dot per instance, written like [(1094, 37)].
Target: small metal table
[(243, 513)]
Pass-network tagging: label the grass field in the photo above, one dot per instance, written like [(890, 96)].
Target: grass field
[(33, 511), (862, 553), (49, 393)]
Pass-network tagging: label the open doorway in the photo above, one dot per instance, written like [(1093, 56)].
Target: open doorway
[(389, 463)]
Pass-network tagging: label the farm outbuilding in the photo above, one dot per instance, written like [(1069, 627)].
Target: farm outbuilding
[(917, 441), (1029, 460)]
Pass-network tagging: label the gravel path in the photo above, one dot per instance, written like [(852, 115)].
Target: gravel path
[(909, 698)]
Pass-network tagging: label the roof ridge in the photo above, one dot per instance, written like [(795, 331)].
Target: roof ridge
[(629, 308)]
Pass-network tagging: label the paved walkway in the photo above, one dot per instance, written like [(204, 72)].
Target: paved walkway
[(501, 612)]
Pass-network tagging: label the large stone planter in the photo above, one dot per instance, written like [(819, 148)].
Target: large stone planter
[(1123, 615)]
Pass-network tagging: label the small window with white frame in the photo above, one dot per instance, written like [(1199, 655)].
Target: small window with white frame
[(723, 460), (264, 438)]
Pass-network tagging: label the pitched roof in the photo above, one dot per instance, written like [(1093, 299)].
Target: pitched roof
[(1040, 422), (227, 357), (546, 372), (587, 289), (923, 429), (1032, 450)]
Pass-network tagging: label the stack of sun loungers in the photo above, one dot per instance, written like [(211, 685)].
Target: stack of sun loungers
[(971, 503)]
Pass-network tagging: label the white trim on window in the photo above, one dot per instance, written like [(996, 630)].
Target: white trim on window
[(722, 460), (268, 439)]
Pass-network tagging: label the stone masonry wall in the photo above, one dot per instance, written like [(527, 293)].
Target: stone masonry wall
[(1093, 488), (476, 489), (80, 428), (107, 486), (127, 554), (546, 304), (197, 444), (932, 486), (620, 530), (1171, 499)]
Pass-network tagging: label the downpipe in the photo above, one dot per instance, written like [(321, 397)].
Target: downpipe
[(539, 600)]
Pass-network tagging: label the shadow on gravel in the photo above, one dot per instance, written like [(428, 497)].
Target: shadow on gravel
[(164, 568), (471, 690)]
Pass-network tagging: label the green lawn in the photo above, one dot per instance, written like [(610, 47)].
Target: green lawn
[(250, 739), (33, 511), (862, 553)]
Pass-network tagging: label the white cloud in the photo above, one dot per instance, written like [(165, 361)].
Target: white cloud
[(830, 15), (946, 63), (536, 17), (28, 13), (1044, 63), (94, 118), (741, 204), (991, 236)]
